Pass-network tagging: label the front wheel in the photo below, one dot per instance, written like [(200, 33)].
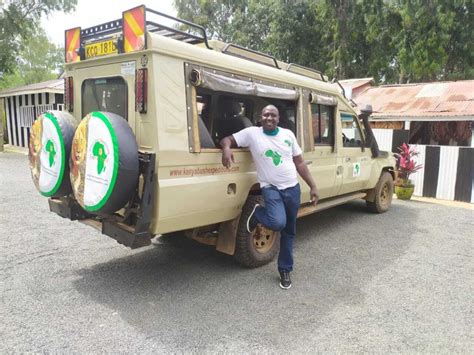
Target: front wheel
[(259, 247), (383, 194)]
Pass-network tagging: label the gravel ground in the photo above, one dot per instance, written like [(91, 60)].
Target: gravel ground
[(397, 282)]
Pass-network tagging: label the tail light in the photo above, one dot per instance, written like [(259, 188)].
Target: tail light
[(69, 94), (141, 90)]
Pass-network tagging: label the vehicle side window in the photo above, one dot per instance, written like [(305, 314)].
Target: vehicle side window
[(223, 114), (322, 120), (352, 135), (232, 115), (203, 106)]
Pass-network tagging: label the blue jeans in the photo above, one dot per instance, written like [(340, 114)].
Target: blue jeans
[(279, 214)]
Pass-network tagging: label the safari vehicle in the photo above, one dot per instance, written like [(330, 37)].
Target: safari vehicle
[(146, 106)]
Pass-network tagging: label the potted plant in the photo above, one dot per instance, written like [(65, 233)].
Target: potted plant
[(406, 165)]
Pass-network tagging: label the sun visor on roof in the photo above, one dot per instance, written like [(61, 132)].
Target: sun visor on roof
[(217, 82), (318, 98)]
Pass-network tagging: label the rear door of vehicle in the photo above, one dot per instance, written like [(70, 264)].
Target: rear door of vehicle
[(109, 88)]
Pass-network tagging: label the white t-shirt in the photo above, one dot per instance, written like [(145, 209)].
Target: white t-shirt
[(273, 155)]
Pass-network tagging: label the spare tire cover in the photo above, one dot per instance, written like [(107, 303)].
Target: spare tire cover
[(48, 152), (104, 163)]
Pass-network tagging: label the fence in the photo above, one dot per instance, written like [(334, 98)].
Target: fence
[(448, 172), (22, 110)]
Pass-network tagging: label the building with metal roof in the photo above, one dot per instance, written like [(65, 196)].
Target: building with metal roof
[(435, 113), (24, 103)]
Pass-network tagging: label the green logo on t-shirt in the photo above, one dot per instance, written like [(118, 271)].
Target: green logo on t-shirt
[(98, 150), (276, 157), (288, 142), (52, 152)]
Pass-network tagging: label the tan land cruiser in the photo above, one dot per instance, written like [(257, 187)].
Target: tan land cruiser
[(136, 154)]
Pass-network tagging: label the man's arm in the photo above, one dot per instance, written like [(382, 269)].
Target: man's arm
[(227, 156), (303, 170)]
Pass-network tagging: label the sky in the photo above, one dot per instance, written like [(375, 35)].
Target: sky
[(94, 12)]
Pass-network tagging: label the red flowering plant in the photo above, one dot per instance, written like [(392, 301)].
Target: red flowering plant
[(406, 164)]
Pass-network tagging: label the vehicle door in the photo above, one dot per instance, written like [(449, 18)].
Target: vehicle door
[(107, 88), (322, 160), (354, 160)]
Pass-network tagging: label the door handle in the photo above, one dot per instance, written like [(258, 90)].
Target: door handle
[(339, 170), (347, 159)]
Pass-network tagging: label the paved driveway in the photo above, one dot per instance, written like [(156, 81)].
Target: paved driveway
[(397, 282)]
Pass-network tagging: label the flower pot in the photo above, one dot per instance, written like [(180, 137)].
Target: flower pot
[(404, 192)]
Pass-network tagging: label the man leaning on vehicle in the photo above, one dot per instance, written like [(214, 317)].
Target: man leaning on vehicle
[(278, 159)]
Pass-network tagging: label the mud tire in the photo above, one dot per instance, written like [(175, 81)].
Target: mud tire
[(383, 194), (246, 251)]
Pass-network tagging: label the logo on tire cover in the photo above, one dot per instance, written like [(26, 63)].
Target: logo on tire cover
[(99, 153), (51, 151)]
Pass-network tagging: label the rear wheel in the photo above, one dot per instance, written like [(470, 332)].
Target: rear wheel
[(259, 247), (383, 194)]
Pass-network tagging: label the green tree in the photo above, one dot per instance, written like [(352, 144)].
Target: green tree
[(39, 60), (379, 28), (435, 40), (20, 20), (390, 40)]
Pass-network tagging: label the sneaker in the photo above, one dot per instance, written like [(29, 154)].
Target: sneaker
[(252, 220), (285, 281)]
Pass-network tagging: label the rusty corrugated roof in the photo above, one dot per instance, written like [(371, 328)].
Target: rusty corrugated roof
[(429, 101)]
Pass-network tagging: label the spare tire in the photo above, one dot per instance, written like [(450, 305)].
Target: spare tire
[(104, 163), (48, 152)]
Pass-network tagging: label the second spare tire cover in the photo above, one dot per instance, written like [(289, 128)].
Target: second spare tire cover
[(104, 162), (48, 152)]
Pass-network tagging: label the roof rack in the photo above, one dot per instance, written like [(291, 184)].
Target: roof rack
[(242, 52), (112, 28), (104, 30), (309, 72), (195, 34), (176, 33), (263, 58)]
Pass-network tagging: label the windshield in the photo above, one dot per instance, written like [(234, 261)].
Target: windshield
[(105, 94)]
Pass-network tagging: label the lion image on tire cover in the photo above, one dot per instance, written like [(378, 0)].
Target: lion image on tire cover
[(78, 154)]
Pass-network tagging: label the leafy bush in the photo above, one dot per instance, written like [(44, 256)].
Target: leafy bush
[(406, 163)]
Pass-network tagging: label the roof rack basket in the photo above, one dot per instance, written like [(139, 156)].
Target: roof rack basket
[(299, 69), (178, 34), (112, 29), (185, 31), (250, 54)]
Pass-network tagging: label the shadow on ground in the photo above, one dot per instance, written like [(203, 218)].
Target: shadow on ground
[(186, 292)]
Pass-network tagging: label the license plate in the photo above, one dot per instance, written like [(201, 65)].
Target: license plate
[(100, 48)]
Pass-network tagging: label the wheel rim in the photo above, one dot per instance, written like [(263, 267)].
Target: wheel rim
[(263, 239), (385, 194)]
